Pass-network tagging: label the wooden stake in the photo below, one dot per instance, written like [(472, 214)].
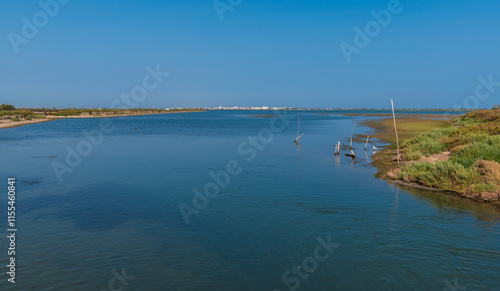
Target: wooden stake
[(353, 131), (366, 144), (298, 120), (395, 129), (298, 130)]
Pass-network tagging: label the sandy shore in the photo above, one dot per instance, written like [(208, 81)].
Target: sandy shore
[(10, 123)]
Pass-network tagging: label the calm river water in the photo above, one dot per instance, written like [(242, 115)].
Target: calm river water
[(118, 212)]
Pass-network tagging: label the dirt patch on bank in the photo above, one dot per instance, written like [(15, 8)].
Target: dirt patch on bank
[(442, 157)]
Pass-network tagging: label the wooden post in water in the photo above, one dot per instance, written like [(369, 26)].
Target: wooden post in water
[(395, 129), (296, 141), (353, 132), (366, 144)]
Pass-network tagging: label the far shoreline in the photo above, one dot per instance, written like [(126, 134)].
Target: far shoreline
[(23, 122), (11, 124), (345, 112)]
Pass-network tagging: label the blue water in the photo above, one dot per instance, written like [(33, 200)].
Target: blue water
[(119, 208)]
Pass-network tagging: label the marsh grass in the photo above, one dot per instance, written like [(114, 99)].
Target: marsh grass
[(427, 143), (474, 143), (412, 155), (470, 154), (448, 175)]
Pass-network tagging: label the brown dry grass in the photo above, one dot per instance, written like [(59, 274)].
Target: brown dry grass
[(457, 148), (490, 171), (444, 156), (484, 115)]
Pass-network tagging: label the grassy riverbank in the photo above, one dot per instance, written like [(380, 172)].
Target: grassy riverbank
[(460, 156)]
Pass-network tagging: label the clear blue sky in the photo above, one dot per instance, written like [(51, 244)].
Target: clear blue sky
[(273, 53)]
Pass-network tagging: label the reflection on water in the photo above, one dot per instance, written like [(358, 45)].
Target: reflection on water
[(444, 201)]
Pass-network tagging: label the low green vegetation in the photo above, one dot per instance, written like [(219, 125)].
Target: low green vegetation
[(100, 112), (446, 175), (19, 113), (471, 148), (408, 127)]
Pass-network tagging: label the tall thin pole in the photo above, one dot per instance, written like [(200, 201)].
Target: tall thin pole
[(353, 131), (298, 120), (395, 129), (298, 130)]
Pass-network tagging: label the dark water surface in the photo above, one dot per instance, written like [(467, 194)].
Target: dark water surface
[(288, 215)]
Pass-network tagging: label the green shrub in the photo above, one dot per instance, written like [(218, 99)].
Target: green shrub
[(442, 175), (412, 155), (493, 140), (428, 143), (16, 119), (484, 115), (477, 151), (426, 146), (434, 134), (7, 107), (483, 187)]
